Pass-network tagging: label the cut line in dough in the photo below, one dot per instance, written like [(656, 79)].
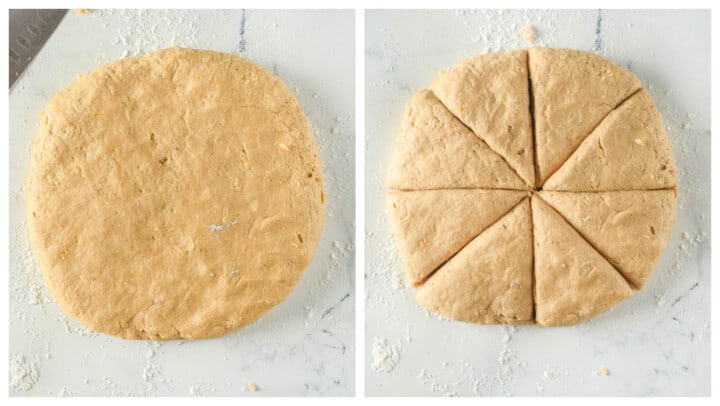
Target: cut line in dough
[(499, 261), (484, 93), (601, 97), (434, 150)]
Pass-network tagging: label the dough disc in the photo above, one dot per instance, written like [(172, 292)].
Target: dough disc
[(174, 195), (575, 133)]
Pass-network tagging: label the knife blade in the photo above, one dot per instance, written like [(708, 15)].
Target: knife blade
[(28, 32)]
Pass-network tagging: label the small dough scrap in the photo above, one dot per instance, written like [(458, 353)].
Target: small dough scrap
[(629, 150), (430, 226), (572, 92), (490, 280), (630, 228), (573, 282), (489, 93), (434, 150)]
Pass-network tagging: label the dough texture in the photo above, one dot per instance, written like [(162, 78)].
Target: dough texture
[(573, 282), (490, 280), (629, 150), (572, 92), (434, 150), (174, 195), (581, 224), (630, 228), (430, 226), (489, 94)]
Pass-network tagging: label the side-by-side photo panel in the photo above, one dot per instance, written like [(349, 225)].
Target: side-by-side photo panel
[(537, 203), (182, 215)]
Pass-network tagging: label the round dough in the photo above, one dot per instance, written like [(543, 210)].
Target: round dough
[(533, 186), (174, 195)]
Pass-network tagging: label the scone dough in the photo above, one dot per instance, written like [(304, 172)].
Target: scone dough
[(429, 134), (430, 226), (629, 150), (572, 92), (489, 94), (593, 197), (490, 280), (174, 195), (630, 228), (573, 282)]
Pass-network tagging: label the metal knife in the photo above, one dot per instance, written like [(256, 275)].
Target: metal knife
[(29, 30)]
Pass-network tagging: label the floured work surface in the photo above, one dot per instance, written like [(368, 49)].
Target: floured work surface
[(534, 186), (175, 195)]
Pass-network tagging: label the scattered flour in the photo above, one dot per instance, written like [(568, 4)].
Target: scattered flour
[(309, 314), (149, 30), (36, 295), (152, 373), (554, 375), (432, 383), (508, 332), (27, 286), (23, 374), (222, 227), (660, 299), (498, 29), (385, 355), (200, 389)]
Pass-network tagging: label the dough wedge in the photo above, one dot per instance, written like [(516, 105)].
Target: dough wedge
[(489, 93), (434, 150), (573, 282), (572, 92), (629, 150), (630, 229), (490, 280), (431, 226)]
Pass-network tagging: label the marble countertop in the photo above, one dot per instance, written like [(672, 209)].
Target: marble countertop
[(655, 343), (304, 346)]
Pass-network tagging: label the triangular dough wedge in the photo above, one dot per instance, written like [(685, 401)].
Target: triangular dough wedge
[(490, 280), (628, 150), (489, 93), (573, 282), (431, 226), (572, 92), (434, 150), (631, 229)]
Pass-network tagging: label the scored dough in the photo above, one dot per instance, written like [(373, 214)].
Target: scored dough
[(604, 163), (430, 226), (629, 150), (572, 92), (573, 282), (434, 150), (489, 94), (490, 280), (175, 195), (630, 228)]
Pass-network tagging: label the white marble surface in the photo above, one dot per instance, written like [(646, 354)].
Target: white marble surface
[(304, 346), (656, 343)]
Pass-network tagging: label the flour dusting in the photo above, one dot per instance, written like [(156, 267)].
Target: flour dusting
[(309, 314), (23, 373), (385, 356), (222, 227)]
